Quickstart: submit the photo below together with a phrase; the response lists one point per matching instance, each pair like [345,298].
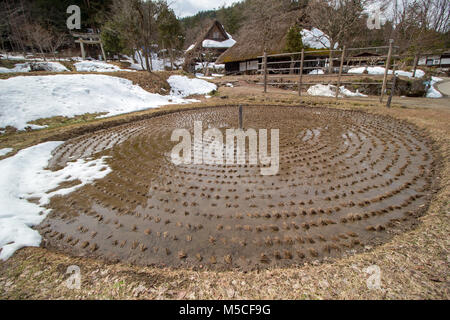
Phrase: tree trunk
[171,59]
[134,56]
[141,59]
[147,61]
[150,67]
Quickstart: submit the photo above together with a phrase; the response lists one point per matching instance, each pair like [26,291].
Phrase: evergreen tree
[111,39]
[171,36]
[294,41]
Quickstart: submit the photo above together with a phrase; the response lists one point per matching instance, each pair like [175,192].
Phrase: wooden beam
[87,41]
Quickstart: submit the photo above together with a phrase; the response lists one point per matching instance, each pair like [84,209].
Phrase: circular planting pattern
[348,180]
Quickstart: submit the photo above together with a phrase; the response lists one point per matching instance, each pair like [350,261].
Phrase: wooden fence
[276,69]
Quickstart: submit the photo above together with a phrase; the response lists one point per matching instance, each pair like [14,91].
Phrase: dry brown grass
[414,265]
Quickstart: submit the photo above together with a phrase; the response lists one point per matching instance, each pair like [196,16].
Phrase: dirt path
[444,86]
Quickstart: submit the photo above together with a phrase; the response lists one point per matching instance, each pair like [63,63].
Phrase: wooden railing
[340,57]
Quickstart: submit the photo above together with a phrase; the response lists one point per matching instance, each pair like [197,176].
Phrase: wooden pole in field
[265,72]
[340,72]
[392,92]
[394,81]
[300,77]
[388,62]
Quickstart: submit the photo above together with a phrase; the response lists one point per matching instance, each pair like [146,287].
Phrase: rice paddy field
[359,186]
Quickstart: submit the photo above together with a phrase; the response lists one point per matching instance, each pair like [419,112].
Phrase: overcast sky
[185,8]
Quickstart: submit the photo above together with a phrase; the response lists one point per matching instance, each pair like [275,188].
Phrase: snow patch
[24,177]
[156,62]
[330,91]
[35,66]
[182,86]
[432,92]
[211,65]
[381,70]
[317,71]
[5,151]
[219,44]
[97,66]
[25,99]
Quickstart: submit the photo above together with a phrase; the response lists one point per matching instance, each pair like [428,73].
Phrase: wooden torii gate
[88,38]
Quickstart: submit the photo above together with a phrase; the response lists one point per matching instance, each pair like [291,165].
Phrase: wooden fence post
[394,81]
[416,61]
[388,62]
[340,72]
[103,51]
[240,117]
[330,62]
[265,72]
[83,53]
[392,91]
[300,78]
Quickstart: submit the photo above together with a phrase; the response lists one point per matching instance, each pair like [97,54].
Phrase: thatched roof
[196,49]
[250,40]
[203,36]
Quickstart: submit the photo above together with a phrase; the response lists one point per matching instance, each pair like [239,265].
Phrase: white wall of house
[433,60]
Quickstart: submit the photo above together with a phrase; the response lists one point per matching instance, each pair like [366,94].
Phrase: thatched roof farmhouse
[209,45]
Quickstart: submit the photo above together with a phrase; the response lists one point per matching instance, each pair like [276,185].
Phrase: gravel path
[444,86]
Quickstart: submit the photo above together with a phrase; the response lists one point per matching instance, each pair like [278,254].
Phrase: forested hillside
[40,25]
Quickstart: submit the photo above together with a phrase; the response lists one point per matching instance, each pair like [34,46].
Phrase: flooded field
[348,180]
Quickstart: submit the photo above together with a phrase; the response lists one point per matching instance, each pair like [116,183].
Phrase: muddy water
[347,180]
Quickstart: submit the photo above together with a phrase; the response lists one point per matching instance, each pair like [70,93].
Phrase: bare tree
[263,16]
[338,19]
[57,40]
[418,24]
[136,22]
[38,37]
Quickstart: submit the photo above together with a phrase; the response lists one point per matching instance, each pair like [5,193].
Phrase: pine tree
[294,41]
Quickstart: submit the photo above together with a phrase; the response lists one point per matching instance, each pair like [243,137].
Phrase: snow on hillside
[97,66]
[12,57]
[183,86]
[157,63]
[19,67]
[5,151]
[24,99]
[330,91]
[23,177]
[36,66]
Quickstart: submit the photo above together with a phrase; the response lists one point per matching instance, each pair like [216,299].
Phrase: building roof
[203,41]
[250,40]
